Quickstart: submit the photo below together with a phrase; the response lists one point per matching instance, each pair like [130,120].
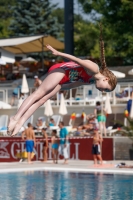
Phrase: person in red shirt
[63,76]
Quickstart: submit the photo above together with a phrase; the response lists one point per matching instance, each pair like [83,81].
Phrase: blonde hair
[104,70]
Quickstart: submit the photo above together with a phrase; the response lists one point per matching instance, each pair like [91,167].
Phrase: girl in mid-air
[63,76]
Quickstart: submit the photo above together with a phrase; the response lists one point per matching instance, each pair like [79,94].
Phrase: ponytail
[102,52]
[103,69]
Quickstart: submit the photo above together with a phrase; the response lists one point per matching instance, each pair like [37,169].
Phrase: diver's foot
[16,129]
[12,124]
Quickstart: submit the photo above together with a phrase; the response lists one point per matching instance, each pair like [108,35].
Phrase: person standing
[129,103]
[37,82]
[64,144]
[96,147]
[45,145]
[30,141]
[55,145]
[100,113]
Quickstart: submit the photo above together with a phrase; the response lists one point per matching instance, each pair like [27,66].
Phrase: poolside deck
[72,166]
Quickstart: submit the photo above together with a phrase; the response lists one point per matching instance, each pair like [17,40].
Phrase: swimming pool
[46,185]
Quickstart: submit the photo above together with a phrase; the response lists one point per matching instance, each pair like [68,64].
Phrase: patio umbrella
[29,59]
[130,72]
[25,88]
[118,74]
[62,108]
[48,108]
[4,105]
[107,104]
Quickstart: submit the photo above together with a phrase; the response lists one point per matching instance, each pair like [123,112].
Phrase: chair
[3,124]
[57,119]
[110,131]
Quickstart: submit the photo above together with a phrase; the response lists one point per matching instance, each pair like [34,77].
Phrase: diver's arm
[84,63]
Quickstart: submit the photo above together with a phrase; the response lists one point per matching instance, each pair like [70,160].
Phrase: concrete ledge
[73,166]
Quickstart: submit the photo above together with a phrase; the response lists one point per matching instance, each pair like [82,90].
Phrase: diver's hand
[54,51]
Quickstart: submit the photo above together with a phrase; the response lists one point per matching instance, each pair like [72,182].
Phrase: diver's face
[103,85]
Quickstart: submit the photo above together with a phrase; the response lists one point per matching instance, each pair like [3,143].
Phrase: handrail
[83,98]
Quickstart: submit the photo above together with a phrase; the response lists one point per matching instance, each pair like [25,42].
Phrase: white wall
[9,57]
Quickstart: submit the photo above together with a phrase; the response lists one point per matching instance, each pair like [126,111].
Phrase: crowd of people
[60,142]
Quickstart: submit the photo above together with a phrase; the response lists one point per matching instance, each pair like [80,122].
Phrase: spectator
[63,148]
[129,103]
[96,150]
[30,141]
[100,113]
[52,122]
[55,145]
[37,82]
[15,94]
[45,144]
[87,129]
[39,124]
[21,99]
[124,93]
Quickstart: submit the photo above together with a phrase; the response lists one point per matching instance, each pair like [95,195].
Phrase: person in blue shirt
[52,122]
[15,94]
[64,144]
[129,103]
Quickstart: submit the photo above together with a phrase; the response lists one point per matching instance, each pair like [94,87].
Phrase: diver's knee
[42,101]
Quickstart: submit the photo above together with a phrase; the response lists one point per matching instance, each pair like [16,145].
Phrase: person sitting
[52,122]
[87,129]
[37,82]
[39,124]
[124,93]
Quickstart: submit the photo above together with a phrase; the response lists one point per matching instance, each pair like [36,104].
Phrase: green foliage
[117,17]
[31,17]
[5,16]
[128,130]
[86,39]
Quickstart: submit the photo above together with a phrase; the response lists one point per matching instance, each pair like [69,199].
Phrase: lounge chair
[3,124]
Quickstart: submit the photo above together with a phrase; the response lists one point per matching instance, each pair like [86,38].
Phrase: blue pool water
[44,185]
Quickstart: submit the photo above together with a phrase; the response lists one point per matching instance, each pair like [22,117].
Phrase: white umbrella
[130,72]
[25,88]
[107,104]
[29,59]
[48,108]
[2,62]
[4,105]
[118,74]
[62,108]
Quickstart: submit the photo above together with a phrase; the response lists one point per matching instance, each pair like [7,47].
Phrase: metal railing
[85,95]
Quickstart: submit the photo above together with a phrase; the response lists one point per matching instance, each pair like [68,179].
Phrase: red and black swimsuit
[73,73]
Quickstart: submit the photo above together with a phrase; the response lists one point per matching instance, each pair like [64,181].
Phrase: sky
[77,8]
